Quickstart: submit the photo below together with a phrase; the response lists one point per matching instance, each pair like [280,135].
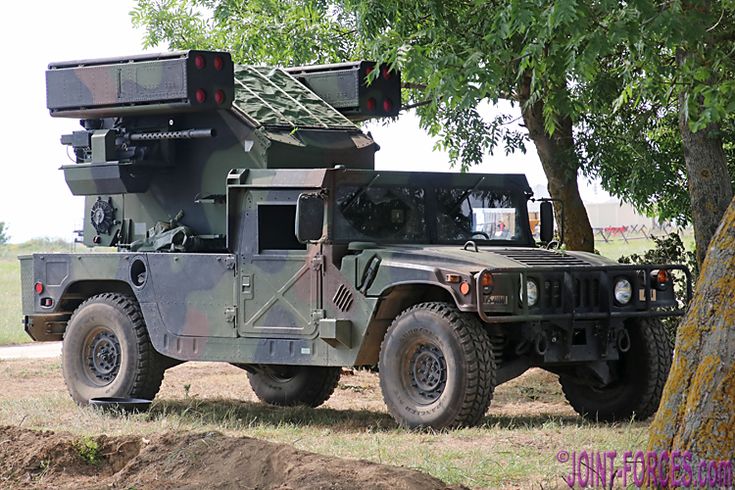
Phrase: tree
[454,56]
[4,237]
[681,56]
[696,412]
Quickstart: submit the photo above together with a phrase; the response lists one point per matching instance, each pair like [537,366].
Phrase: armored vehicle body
[250,227]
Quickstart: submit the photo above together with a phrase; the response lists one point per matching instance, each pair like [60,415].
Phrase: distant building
[614,214]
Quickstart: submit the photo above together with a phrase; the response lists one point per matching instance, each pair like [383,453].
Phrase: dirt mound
[209,460]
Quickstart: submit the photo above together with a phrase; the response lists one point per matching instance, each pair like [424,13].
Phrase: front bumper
[569,308]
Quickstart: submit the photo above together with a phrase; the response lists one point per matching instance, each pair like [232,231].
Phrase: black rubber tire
[140,368]
[643,371]
[460,354]
[289,386]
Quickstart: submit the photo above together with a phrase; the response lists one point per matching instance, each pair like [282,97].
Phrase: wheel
[288,386]
[641,374]
[436,367]
[107,352]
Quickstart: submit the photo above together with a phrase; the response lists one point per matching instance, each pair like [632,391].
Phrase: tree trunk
[710,187]
[696,411]
[560,163]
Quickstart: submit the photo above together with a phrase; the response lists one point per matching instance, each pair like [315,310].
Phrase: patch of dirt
[33,459]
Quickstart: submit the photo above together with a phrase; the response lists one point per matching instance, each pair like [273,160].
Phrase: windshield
[414,214]
[466,214]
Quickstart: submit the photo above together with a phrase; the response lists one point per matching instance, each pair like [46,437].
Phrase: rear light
[385,73]
[369,70]
[371,104]
[200,62]
[200,95]
[218,63]
[38,287]
[387,105]
[219,96]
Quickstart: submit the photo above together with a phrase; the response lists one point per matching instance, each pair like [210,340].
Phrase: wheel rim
[102,356]
[425,373]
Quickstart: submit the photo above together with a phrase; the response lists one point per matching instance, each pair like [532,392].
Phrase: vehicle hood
[454,257]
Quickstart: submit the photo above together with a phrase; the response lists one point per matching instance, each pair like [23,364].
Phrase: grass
[617,248]
[516,445]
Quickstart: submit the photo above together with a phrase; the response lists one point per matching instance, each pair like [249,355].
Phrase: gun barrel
[182,134]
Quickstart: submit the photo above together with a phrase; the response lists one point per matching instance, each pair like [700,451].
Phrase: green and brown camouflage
[199,172]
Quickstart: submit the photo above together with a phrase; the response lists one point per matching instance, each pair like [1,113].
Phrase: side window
[276,224]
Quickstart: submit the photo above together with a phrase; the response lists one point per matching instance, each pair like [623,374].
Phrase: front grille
[586,292]
[540,256]
[551,294]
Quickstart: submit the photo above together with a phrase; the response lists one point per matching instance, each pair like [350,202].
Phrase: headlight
[623,291]
[532,291]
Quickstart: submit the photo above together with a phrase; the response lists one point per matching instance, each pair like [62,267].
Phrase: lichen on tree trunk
[560,163]
[696,412]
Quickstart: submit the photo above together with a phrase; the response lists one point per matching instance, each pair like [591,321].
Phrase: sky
[34,198]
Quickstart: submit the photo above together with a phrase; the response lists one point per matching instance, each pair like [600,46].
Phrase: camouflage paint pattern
[242,289]
[306,304]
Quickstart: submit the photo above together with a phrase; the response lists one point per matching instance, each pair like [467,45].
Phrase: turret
[160,133]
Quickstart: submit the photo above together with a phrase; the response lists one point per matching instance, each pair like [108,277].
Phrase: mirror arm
[561,212]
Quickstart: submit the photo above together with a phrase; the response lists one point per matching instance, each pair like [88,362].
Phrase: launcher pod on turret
[252,228]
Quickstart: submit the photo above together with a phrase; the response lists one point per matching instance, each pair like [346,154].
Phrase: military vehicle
[251,228]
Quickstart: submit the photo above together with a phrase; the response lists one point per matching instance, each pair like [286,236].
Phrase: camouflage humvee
[251,228]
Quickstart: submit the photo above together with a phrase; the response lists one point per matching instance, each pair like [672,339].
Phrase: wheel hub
[103,356]
[428,372]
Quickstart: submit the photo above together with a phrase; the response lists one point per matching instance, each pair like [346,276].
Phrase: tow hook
[623,341]
[540,344]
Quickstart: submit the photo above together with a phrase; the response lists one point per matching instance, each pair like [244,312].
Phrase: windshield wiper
[359,193]
[464,195]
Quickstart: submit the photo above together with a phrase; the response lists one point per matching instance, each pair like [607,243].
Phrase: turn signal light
[486,280]
[663,276]
[464,288]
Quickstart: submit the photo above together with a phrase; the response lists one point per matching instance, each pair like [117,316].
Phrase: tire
[436,368]
[289,386]
[642,374]
[107,352]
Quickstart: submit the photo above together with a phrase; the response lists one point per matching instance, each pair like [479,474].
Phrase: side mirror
[309,217]
[547,222]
